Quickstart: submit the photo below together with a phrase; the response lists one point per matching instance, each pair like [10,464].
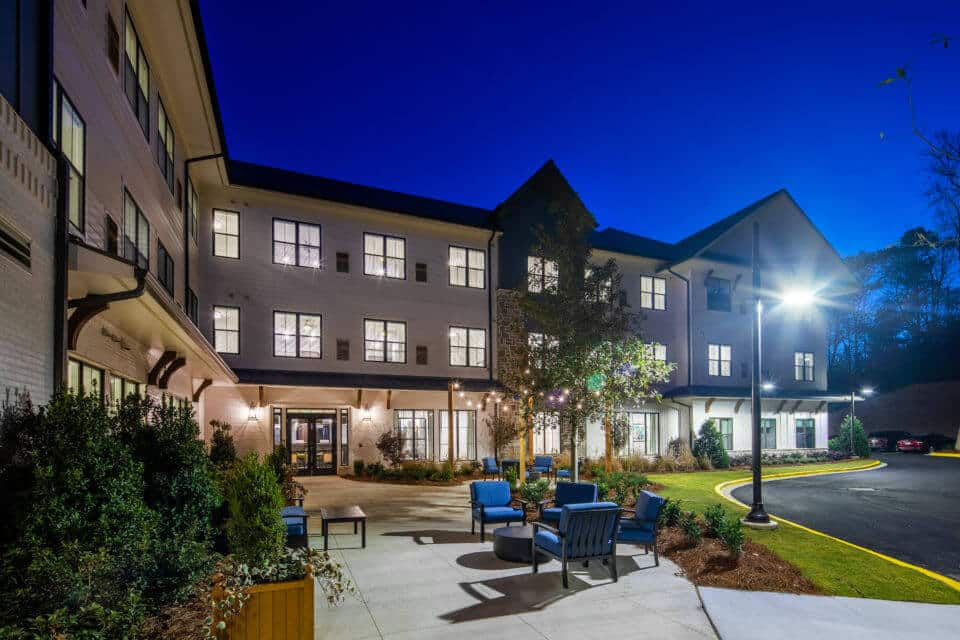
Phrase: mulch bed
[430,483]
[709,564]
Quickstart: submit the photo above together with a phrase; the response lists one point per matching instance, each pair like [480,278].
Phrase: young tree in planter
[390,445]
[503,431]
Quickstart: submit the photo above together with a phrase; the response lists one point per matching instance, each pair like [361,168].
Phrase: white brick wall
[27,202]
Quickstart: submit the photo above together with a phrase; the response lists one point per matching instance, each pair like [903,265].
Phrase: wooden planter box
[276,611]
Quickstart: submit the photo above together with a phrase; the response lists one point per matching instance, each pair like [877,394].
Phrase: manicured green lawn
[836,568]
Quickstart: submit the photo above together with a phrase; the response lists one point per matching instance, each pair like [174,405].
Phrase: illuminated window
[718,360]
[538,344]
[468,347]
[226,329]
[467,267]
[803,366]
[296,243]
[226,233]
[806,433]
[384,256]
[297,335]
[546,433]
[136,233]
[656,352]
[136,77]
[85,379]
[642,435]
[768,433]
[465,435]
[165,146]
[653,293]
[70,136]
[725,427]
[542,275]
[384,341]
[415,427]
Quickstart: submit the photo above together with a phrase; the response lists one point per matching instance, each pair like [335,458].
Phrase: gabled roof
[618,241]
[259,176]
[547,179]
[694,244]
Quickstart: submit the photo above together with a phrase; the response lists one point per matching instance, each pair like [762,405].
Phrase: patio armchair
[490,468]
[295,520]
[566,474]
[586,532]
[491,502]
[566,493]
[641,527]
[543,465]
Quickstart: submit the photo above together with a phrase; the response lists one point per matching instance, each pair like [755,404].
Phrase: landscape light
[768,386]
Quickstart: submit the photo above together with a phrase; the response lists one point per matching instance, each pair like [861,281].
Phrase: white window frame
[656,351]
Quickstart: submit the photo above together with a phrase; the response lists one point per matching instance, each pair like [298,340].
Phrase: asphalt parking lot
[909,510]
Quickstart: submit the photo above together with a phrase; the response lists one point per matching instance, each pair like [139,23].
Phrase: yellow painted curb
[718,489]
[944,454]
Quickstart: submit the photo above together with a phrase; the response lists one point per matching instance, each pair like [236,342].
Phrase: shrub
[375,470]
[670,513]
[679,450]
[510,475]
[704,463]
[535,491]
[255,530]
[390,444]
[467,469]
[78,539]
[637,464]
[731,535]
[710,444]
[418,470]
[358,467]
[841,443]
[223,451]
[446,472]
[714,517]
[291,489]
[178,486]
[666,464]
[691,527]
[603,490]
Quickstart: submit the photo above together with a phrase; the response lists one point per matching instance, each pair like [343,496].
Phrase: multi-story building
[138,256]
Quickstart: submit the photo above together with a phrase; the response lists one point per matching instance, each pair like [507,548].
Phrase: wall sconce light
[365,414]
[254,412]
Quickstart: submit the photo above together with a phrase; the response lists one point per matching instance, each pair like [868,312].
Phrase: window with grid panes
[384,341]
[718,360]
[467,267]
[468,347]
[384,256]
[653,293]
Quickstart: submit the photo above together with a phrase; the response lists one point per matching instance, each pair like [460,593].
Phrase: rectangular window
[546,433]
[136,233]
[542,275]
[226,233]
[344,425]
[120,388]
[718,360]
[343,262]
[164,268]
[468,347]
[296,243]
[136,77]
[113,44]
[193,307]
[464,435]
[85,379]
[601,291]
[415,427]
[421,354]
[656,351]
[725,427]
[806,433]
[112,232]
[384,341]
[193,209]
[538,344]
[467,267]
[165,147]
[420,270]
[768,433]
[642,438]
[343,349]
[803,366]
[226,329]
[297,335]
[384,256]
[70,136]
[277,427]
[653,293]
[719,294]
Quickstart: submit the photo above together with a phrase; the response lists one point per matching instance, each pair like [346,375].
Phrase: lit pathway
[423,576]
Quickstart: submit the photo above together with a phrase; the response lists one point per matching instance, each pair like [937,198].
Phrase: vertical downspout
[493,233]
[689,407]
[187,184]
[60,250]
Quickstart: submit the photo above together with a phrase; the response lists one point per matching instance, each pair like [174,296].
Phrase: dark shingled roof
[618,241]
[259,176]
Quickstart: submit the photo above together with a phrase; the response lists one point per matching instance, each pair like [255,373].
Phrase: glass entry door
[312,436]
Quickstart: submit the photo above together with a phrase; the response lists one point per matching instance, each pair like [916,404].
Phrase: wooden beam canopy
[175,366]
[165,359]
[79,319]
[203,385]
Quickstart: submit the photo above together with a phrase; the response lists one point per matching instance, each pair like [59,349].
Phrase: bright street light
[866,391]
[798,297]
[769,386]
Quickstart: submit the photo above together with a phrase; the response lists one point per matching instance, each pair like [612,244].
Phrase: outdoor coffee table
[352,514]
[513,544]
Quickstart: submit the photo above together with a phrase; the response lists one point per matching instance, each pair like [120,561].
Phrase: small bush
[358,467]
[637,464]
[691,527]
[842,444]
[467,469]
[710,444]
[446,472]
[666,464]
[535,491]
[670,513]
[418,470]
[255,530]
[731,535]
[223,451]
[704,463]
[510,475]
[714,517]
[390,444]
[375,470]
[679,450]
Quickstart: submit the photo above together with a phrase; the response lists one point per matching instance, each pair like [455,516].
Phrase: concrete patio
[423,575]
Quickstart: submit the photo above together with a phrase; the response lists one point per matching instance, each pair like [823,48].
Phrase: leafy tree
[710,444]
[503,431]
[390,445]
[255,530]
[856,445]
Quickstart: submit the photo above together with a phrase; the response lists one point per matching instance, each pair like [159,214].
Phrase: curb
[944,454]
[723,489]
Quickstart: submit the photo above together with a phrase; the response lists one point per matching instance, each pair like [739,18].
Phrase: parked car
[911,444]
[938,442]
[888,438]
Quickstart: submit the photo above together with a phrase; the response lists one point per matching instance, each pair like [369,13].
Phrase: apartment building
[138,257]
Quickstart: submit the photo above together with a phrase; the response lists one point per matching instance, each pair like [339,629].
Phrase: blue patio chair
[566,474]
[586,532]
[491,502]
[295,519]
[543,465]
[490,468]
[642,527]
[566,493]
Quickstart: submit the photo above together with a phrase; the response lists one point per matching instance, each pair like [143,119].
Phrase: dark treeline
[903,326]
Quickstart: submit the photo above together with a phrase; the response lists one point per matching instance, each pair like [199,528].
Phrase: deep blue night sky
[664,116]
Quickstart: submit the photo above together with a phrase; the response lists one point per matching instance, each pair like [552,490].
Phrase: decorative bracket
[203,385]
[165,359]
[79,319]
[175,366]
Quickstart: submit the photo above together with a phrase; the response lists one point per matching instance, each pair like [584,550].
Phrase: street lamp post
[866,391]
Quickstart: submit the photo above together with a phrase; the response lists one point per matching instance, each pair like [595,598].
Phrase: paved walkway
[424,576]
[755,614]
